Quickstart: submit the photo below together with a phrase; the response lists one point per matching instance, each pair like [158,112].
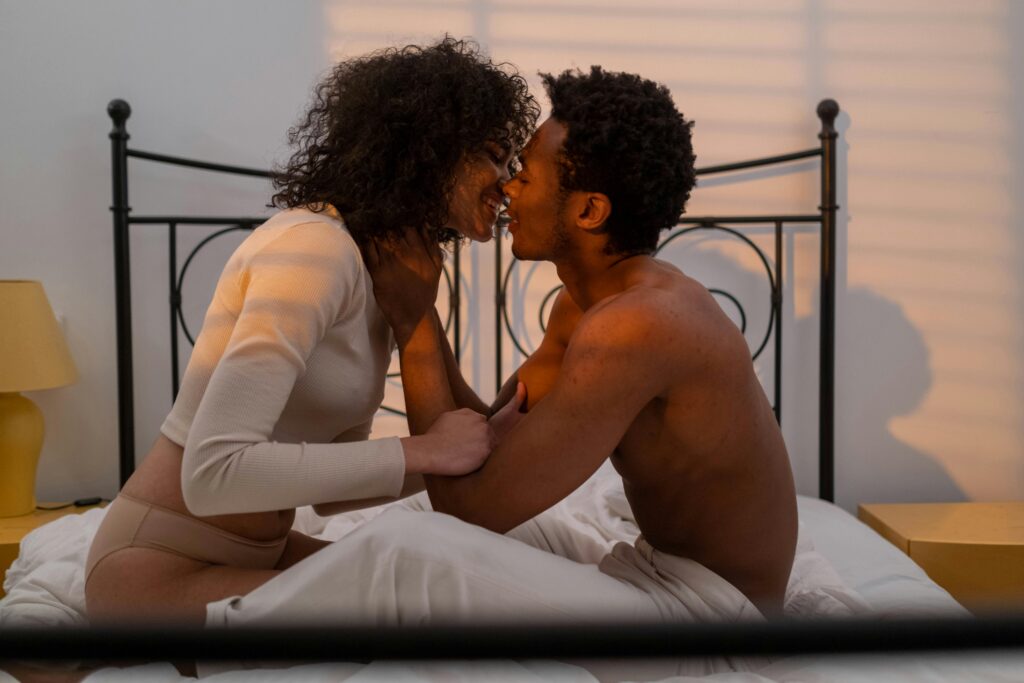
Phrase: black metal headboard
[825,217]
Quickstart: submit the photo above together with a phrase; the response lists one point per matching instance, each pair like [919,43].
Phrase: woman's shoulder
[325,221]
[302,230]
[298,248]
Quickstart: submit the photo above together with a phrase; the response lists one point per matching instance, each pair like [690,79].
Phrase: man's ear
[593,212]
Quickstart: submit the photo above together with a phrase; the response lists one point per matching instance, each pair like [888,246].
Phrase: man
[638,364]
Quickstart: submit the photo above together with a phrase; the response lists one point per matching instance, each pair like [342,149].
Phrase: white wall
[930,379]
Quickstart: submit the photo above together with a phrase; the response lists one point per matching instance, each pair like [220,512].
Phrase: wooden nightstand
[13,529]
[973,550]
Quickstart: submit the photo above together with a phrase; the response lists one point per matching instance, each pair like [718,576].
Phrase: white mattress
[887,579]
[44,588]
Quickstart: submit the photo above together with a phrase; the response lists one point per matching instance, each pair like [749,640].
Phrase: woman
[277,402]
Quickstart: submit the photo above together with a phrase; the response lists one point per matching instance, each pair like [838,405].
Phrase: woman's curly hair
[627,140]
[385,133]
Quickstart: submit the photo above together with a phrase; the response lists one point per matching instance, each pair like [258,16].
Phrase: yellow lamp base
[21,440]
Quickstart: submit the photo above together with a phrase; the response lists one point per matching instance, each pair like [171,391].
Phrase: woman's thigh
[299,547]
[143,584]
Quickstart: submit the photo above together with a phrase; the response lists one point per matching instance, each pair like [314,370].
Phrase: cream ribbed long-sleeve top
[278,399]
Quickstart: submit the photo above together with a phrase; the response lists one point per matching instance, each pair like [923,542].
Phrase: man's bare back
[703,463]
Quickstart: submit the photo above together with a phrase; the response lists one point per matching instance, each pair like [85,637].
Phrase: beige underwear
[134,523]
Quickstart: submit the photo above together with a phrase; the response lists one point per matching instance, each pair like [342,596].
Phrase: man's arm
[611,369]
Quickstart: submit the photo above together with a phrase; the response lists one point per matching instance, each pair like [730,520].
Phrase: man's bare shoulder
[565,314]
[656,294]
[660,315]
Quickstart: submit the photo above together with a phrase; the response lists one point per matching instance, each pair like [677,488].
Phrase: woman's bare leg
[145,585]
[299,547]
[34,673]
[136,585]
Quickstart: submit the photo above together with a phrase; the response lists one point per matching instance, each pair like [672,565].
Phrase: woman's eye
[498,155]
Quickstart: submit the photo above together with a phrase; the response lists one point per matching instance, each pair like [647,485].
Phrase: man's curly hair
[385,132]
[626,140]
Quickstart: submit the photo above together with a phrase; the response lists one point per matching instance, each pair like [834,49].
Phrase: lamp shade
[33,353]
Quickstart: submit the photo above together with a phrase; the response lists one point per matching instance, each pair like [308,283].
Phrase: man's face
[539,226]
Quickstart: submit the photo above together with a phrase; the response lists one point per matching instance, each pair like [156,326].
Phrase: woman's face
[477,197]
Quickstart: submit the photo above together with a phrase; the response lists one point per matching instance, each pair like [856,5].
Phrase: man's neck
[594,277]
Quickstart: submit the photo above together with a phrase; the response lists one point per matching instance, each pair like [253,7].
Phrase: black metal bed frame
[827,110]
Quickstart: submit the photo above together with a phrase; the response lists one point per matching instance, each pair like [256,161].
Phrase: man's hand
[509,415]
[457,443]
[405,273]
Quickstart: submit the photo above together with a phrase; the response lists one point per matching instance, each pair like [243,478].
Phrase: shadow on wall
[883,372]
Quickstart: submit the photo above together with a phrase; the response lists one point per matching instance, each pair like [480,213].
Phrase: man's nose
[509,188]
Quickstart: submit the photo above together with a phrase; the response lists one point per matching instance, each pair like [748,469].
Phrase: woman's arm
[462,394]
[276,301]
[271,313]
[413,484]
[406,274]
[405,279]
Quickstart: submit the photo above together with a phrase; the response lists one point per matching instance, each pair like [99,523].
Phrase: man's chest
[539,374]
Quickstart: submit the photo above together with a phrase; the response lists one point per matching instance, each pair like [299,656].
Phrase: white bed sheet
[44,588]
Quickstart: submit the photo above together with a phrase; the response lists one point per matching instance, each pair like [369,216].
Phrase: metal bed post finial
[119,111]
[827,111]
